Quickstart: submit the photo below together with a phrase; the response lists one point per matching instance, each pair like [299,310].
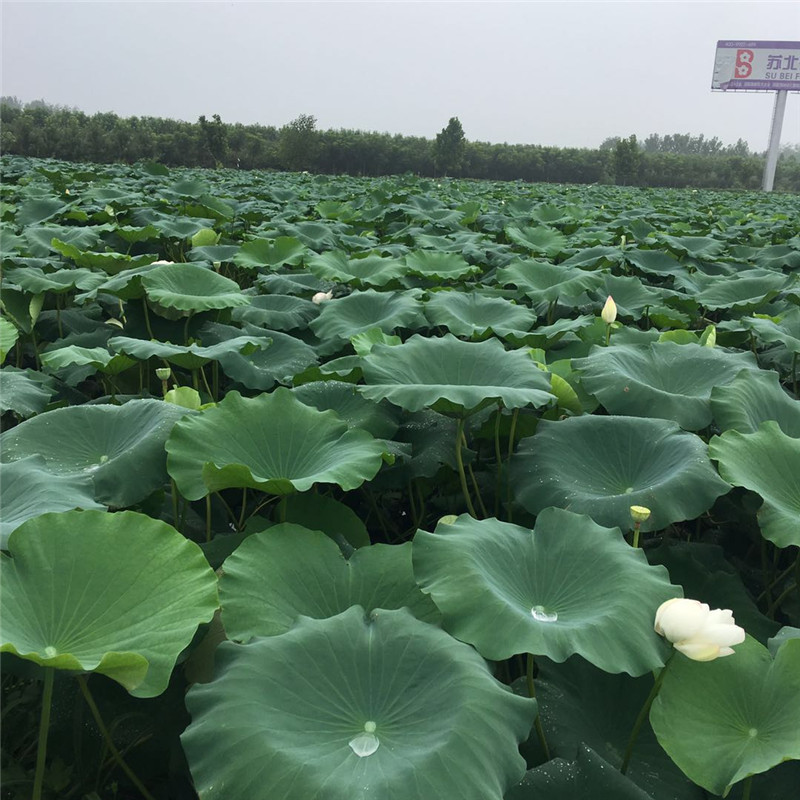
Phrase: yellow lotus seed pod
[640,513]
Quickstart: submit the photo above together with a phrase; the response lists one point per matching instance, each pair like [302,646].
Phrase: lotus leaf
[569,586]
[733,717]
[767,462]
[371,270]
[360,311]
[121,448]
[24,391]
[752,398]
[289,571]
[279,312]
[353,718]
[601,466]
[440,266]
[27,490]
[473,314]
[120,594]
[662,379]
[273,443]
[453,376]
[190,287]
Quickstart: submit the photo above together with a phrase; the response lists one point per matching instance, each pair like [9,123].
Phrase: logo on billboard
[744,63]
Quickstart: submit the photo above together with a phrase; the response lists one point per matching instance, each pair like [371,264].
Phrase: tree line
[675,160]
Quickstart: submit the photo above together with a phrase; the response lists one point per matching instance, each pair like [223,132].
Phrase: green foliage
[450,147]
[299,143]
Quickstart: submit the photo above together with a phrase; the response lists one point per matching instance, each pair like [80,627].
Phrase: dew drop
[541,614]
[365,744]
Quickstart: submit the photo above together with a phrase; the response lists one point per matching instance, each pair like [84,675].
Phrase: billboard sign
[757,66]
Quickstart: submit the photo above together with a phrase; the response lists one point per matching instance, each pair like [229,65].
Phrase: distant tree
[610,143]
[627,160]
[449,147]
[299,143]
[215,135]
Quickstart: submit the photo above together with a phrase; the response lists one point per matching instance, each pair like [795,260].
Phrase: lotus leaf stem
[538,722]
[498,461]
[44,729]
[228,509]
[240,523]
[87,695]
[147,319]
[794,374]
[775,605]
[208,517]
[511,434]
[174,493]
[746,787]
[205,383]
[475,486]
[785,574]
[460,464]
[643,712]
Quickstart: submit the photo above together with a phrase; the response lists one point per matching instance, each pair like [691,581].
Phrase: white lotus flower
[609,312]
[321,297]
[697,631]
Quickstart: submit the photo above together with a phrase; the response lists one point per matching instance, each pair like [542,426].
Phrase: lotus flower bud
[698,632]
[609,312]
[162,373]
[640,514]
[321,297]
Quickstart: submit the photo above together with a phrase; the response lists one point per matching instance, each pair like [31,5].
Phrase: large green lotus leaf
[280,312]
[580,704]
[544,282]
[767,462]
[654,262]
[601,466]
[110,263]
[24,391]
[358,312]
[695,246]
[726,719]
[38,210]
[569,586]
[40,237]
[378,707]
[662,379]
[379,419]
[589,776]
[120,447]
[371,270]
[288,571]
[27,490]
[749,290]
[470,313]
[544,240]
[120,594]
[752,398]
[442,266]
[453,376]
[191,356]
[273,443]
[631,296]
[786,331]
[280,358]
[594,257]
[189,287]
[31,279]
[96,357]
[8,337]
[318,512]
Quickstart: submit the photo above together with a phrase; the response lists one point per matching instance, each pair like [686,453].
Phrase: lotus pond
[322,487]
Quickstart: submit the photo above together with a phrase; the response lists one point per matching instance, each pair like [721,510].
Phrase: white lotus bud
[609,312]
[698,632]
[321,297]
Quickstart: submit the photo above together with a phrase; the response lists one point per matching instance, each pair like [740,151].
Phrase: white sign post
[749,66]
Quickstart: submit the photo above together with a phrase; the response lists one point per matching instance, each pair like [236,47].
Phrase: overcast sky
[562,73]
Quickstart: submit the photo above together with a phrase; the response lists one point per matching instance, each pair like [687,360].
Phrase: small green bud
[163,373]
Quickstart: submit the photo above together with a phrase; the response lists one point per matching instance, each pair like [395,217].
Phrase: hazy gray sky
[559,73]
